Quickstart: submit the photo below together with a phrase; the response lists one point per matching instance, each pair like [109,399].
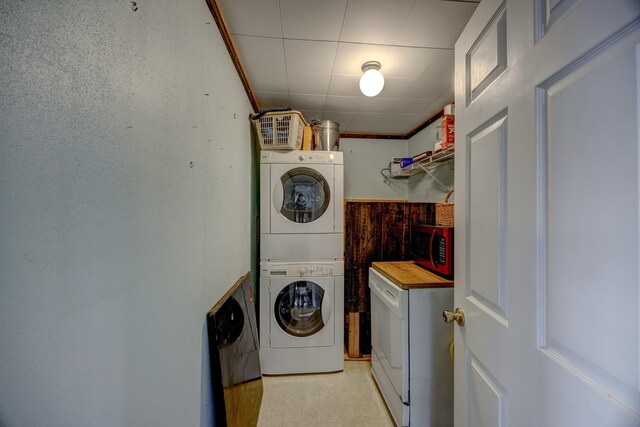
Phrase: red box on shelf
[448,131]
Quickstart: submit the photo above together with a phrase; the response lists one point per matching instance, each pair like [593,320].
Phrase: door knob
[457,315]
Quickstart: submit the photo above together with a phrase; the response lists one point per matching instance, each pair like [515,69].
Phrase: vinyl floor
[349,398]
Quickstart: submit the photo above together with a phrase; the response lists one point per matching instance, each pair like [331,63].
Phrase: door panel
[486,151]
[488,408]
[600,192]
[549,12]
[487,58]
[547,216]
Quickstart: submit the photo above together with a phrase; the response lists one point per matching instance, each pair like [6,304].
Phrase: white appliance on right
[410,355]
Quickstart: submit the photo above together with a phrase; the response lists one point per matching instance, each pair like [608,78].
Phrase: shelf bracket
[428,172]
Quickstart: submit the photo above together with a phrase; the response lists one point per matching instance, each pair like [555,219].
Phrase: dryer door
[302,199]
[302,312]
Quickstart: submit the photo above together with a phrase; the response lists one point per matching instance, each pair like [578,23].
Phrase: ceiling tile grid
[308,83]
[375,21]
[315,20]
[435,23]
[252,17]
[308,55]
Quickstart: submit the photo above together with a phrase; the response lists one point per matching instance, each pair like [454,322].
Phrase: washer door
[302,313]
[302,199]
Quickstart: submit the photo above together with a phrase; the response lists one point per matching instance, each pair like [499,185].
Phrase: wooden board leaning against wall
[375,230]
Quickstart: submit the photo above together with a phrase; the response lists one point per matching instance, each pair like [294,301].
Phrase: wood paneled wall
[374,231]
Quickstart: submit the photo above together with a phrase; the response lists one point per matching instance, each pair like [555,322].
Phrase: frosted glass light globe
[371,82]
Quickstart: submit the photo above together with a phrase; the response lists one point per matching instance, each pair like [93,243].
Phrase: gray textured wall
[363,159]
[422,187]
[125,199]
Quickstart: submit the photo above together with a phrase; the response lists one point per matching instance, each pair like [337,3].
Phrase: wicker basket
[444,212]
[280,131]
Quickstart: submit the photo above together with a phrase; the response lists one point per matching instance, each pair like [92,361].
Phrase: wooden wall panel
[362,246]
[395,231]
[422,213]
[375,231]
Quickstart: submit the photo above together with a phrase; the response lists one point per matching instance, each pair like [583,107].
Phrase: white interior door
[547,216]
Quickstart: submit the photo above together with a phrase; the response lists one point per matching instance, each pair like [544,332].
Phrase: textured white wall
[363,159]
[423,188]
[125,199]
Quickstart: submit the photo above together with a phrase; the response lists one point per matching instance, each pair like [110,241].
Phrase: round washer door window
[298,309]
[306,195]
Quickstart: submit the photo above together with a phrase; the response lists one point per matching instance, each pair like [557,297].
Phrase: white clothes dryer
[301,317]
[301,205]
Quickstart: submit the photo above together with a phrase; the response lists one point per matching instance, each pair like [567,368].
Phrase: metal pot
[326,135]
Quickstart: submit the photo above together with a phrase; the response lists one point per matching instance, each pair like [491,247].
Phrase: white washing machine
[301,205]
[301,317]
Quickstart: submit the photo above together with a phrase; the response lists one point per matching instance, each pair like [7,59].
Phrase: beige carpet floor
[349,398]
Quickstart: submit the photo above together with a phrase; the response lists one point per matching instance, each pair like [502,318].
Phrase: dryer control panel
[302,156]
[301,269]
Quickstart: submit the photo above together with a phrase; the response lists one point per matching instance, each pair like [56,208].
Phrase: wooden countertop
[408,275]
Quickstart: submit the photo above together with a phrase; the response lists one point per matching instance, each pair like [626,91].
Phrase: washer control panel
[315,270]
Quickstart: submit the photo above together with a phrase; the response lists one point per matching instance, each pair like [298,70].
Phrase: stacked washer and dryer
[301,262]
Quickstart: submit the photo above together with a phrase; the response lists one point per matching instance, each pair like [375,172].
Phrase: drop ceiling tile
[434,23]
[341,117]
[351,56]
[389,129]
[447,97]
[378,105]
[442,68]
[425,88]
[397,119]
[345,85]
[312,19]
[260,53]
[307,102]
[272,100]
[393,123]
[267,80]
[435,107]
[310,56]
[407,61]
[375,21]
[364,122]
[309,83]
[412,106]
[416,121]
[452,44]
[252,17]
[395,87]
[311,115]
[343,103]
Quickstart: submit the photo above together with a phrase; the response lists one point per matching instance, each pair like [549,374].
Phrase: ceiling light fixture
[372,81]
